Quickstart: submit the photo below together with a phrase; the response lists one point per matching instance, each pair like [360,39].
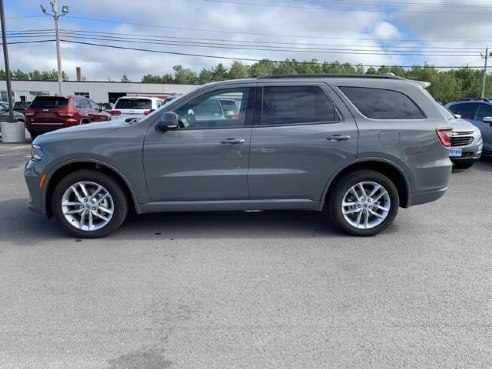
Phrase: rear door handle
[335,138]
[232,141]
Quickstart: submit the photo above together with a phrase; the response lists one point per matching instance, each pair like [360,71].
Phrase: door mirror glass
[168,121]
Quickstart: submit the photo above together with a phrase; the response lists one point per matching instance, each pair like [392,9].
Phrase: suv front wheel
[89,204]
[364,203]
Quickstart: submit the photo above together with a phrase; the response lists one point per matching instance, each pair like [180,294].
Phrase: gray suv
[356,147]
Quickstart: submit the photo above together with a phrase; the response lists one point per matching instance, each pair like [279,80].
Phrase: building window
[85,94]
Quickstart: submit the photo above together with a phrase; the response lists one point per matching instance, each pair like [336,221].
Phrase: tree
[262,68]
[205,76]
[184,76]
[124,78]
[238,70]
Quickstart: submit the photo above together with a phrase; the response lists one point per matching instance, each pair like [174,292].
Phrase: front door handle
[232,141]
[335,138]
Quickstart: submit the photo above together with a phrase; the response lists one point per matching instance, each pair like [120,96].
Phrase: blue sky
[193,32]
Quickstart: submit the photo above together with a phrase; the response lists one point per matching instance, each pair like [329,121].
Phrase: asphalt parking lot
[248,290]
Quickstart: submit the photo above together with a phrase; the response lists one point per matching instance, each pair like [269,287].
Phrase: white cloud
[386,31]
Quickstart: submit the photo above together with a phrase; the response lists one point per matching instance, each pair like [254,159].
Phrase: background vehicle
[48,113]
[4,114]
[466,141]
[479,113]
[21,106]
[107,107]
[134,107]
[356,147]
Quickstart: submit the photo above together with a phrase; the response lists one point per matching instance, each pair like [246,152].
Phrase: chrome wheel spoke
[100,216]
[351,211]
[77,194]
[74,211]
[366,219]
[376,189]
[359,218]
[84,190]
[376,214]
[382,208]
[107,211]
[380,195]
[96,192]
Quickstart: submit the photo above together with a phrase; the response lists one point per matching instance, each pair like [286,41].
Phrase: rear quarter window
[378,103]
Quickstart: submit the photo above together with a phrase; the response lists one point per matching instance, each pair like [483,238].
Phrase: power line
[228,58]
[250,45]
[146,37]
[148,25]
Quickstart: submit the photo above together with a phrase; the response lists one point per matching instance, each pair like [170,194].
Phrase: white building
[97,91]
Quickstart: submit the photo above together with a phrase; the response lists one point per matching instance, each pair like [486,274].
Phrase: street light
[56,16]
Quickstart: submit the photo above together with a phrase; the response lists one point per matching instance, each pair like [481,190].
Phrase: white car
[134,107]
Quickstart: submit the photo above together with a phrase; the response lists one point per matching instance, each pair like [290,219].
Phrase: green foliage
[124,78]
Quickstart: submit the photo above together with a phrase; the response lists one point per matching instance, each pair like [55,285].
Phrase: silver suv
[356,147]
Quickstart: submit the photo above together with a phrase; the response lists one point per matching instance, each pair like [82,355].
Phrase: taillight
[29,112]
[65,113]
[115,112]
[146,112]
[444,135]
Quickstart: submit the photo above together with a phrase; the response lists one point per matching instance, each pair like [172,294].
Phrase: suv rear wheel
[89,204]
[364,203]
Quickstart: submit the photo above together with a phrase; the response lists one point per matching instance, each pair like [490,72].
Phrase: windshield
[49,102]
[133,104]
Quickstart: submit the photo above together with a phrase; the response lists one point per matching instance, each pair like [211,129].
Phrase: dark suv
[357,147]
[479,113]
[48,113]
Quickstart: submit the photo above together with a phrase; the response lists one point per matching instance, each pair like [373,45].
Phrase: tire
[83,216]
[359,218]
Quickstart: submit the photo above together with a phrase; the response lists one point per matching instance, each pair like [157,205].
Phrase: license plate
[455,152]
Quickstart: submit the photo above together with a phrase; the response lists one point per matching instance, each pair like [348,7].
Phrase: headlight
[476,133]
[36,153]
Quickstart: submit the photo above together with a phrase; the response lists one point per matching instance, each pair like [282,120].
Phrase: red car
[48,113]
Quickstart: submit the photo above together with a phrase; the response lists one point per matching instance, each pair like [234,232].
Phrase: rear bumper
[425,197]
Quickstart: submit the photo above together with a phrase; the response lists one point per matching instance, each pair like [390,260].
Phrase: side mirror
[487,120]
[168,121]
[457,116]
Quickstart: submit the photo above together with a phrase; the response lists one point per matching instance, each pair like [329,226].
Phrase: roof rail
[333,75]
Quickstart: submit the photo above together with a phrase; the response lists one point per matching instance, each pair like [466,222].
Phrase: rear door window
[46,102]
[376,103]
[296,105]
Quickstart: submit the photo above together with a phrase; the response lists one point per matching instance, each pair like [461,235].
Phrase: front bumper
[32,178]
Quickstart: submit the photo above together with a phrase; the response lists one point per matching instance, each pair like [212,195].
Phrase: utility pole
[56,16]
[484,77]
[7,67]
